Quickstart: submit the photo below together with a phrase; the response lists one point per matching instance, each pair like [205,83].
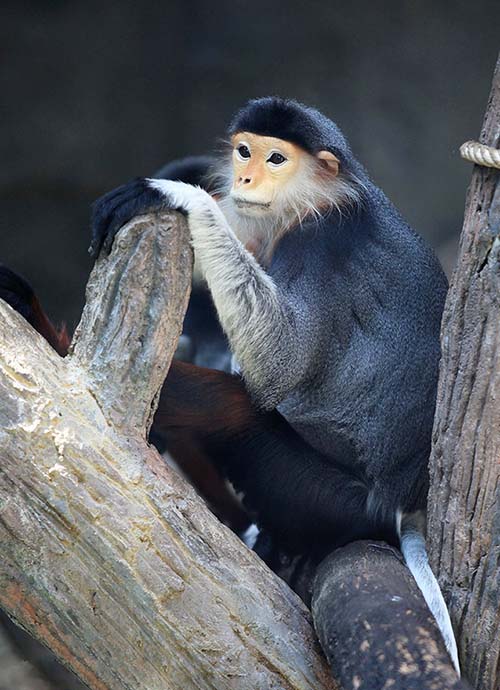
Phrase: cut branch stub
[136,300]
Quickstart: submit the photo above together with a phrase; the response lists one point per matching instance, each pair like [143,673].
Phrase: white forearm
[244,295]
[260,328]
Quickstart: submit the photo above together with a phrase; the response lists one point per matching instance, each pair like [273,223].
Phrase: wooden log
[108,557]
[464,500]
[374,625]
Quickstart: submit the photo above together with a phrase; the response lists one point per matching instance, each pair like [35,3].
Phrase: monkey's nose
[244,180]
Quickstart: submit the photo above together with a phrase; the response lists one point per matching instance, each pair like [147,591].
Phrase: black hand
[111,211]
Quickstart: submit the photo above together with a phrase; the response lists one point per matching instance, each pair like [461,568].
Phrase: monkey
[194,170]
[333,325]
[17,292]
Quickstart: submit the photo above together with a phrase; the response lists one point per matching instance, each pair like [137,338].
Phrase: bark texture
[464,501]
[108,557]
[374,624]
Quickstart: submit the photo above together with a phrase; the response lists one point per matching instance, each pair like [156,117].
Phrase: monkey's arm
[19,294]
[267,328]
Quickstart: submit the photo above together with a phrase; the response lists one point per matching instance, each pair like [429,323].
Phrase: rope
[480,154]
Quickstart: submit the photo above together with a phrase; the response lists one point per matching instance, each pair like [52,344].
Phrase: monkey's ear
[330,161]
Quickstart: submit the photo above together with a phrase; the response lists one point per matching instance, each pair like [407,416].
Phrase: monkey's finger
[145,202]
[102,212]
[105,207]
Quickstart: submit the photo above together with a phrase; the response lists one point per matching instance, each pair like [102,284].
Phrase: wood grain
[108,557]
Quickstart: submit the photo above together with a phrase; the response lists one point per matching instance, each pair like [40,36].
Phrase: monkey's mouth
[246,203]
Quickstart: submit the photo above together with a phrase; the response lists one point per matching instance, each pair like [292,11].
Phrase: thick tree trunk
[464,501]
[107,556]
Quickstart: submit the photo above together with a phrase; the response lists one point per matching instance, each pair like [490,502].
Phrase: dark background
[94,93]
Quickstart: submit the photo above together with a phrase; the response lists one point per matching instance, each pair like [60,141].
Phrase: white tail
[415,555]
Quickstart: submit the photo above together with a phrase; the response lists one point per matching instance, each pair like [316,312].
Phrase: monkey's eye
[243,151]
[276,159]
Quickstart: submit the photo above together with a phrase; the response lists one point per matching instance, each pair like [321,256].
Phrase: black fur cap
[287,119]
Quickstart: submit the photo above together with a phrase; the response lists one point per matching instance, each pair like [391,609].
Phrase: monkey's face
[271,176]
[262,168]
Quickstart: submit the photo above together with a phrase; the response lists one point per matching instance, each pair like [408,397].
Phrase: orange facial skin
[264,166]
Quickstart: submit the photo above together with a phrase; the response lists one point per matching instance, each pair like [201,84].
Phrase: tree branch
[108,557]
[374,624]
[132,320]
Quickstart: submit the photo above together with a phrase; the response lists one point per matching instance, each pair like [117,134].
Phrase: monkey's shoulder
[375,243]
[369,275]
